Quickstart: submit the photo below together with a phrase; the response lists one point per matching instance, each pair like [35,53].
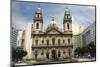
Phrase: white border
[5,33]
[89,2]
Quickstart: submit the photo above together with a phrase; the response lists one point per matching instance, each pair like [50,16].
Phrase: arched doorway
[59,53]
[47,55]
[53,41]
[54,54]
[36,54]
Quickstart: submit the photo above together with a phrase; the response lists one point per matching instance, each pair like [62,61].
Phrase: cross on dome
[67,10]
[52,21]
[38,9]
[52,18]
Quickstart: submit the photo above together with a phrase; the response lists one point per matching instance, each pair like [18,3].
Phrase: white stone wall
[66,28]
[50,40]
[28,41]
[19,37]
[40,26]
[50,44]
[49,50]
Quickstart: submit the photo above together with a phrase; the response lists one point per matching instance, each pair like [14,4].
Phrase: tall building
[88,35]
[27,41]
[52,43]
[76,41]
[13,41]
[19,37]
[85,37]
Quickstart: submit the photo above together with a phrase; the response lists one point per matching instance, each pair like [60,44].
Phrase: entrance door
[47,55]
[59,54]
[53,54]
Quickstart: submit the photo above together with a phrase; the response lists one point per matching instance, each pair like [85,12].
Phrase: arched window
[54,54]
[36,54]
[47,42]
[68,41]
[42,41]
[66,17]
[59,53]
[64,52]
[37,26]
[53,41]
[68,25]
[59,42]
[47,55]
[63,41]
[39,16]
[36,42]
[42,53]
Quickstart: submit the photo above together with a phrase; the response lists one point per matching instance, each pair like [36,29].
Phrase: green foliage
[92,49]
[89,49]
[77,51]
[18,53]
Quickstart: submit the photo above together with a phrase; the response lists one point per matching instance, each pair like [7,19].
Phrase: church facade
[52,43]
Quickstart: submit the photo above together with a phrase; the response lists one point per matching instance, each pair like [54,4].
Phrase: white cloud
[91,7]
[18,20]
[76,27]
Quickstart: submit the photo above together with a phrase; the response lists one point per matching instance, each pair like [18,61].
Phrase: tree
[86,50]
[81,51]
[18,53]
[77,51]
[92,49]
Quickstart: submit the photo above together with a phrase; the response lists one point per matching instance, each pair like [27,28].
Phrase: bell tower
[38,21]
[67,21]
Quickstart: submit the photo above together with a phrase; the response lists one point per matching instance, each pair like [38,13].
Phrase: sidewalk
[49,62]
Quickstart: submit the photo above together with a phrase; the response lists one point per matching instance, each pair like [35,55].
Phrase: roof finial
[38,7]
[52,18]
[67,10]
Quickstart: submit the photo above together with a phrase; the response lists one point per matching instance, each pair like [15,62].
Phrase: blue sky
[23,12]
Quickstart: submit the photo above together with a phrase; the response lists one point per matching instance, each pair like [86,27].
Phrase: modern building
[51,43]
[19,37]
[88,35]
[13,40]
[27,41]
[76,41]
[85,37]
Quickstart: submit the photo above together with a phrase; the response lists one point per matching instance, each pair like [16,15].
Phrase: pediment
[53,31]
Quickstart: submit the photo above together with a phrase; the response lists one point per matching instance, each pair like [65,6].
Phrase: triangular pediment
[53,31]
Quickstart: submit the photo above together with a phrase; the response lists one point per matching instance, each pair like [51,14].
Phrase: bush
[88,49]
[18,53]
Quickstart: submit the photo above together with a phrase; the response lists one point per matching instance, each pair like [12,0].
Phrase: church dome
[52,24]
